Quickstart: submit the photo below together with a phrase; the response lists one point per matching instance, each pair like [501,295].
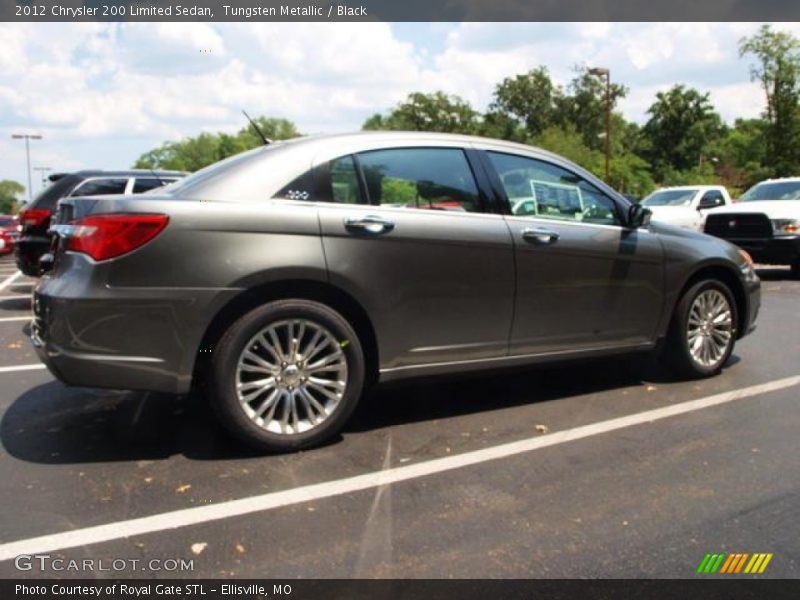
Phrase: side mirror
[706,204]
[638,216]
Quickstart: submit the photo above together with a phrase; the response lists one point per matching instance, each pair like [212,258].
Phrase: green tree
[682,125]
[777,68]
[530,99]
[584,106]
[742,154]
[567,142]
[191,154]
[428,112]
[9,194]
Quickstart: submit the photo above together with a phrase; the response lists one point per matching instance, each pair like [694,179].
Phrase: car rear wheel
[287,375]
[703,329]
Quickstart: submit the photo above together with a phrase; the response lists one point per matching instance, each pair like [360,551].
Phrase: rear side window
[333,181]
[426,178]
[145,184]
[97,187]
[541,189]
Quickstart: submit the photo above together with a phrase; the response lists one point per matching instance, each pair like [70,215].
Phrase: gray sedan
[290,278]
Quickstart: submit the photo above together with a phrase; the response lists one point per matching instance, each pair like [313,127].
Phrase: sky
[102,94]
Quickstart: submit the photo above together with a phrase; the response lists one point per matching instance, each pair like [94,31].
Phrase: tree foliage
[777,68]
[682,125]
[10,191]
[428,112]
[197,152]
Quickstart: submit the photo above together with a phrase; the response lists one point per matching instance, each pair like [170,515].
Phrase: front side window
[98,187]
[541,189]
[712,198]
[424,178]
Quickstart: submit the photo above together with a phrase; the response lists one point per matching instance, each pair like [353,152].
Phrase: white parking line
[9,319]
[15,297]
[22,368]
[7,282]
[245,506]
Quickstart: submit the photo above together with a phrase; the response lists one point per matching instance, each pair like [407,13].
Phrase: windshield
[670,198]
[777,190]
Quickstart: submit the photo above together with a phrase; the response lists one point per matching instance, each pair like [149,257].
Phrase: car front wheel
[703,329]
[287,375]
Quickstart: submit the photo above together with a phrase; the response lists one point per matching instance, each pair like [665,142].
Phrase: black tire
[225,359]
[676,348]
[796,268]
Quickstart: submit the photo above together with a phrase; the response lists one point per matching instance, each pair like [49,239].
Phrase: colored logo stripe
[735,562]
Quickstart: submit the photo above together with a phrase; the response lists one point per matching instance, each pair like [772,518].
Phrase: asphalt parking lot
[608,469]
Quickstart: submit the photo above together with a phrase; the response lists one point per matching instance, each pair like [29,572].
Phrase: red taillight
[35,217]
[108,236]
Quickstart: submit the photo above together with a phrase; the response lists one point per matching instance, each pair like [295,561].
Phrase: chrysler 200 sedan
[289,278]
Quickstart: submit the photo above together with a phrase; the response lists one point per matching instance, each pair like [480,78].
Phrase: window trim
[505,201]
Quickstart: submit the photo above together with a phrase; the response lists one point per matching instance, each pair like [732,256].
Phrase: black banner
[398,10]
[415,589]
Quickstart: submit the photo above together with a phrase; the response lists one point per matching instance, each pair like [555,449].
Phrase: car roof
[421,136]
[780,179]
[85,173]
[690,187]
[245,172]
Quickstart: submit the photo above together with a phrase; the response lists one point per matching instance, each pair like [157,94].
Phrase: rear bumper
[123,338]
[28,250]
[777,251]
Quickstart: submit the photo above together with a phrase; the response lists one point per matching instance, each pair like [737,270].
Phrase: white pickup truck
[766,223]
[686,206]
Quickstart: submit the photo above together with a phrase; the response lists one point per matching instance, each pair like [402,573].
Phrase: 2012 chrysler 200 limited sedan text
[291,277]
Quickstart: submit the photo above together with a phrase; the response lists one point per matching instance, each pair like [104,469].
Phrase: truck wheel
[703,330]
[287,375]
[796,268]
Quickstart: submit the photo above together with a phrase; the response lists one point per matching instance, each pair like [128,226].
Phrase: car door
[584,281]
[409,234]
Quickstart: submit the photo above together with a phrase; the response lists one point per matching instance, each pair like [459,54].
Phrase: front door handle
[539,235]
[370,224]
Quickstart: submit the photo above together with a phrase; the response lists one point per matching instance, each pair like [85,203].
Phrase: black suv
[34,220]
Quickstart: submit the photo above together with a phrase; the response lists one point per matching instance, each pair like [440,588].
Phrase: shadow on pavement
[56,424]
[775,273]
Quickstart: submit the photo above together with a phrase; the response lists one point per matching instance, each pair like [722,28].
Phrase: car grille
[739,226]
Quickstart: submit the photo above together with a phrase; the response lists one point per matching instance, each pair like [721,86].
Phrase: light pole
[600,72]
[43,171]
[27,137]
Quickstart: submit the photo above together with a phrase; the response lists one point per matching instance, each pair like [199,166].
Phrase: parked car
[766,222]
[686,206]
[9,233]
[35,240]
[286,279]
[6,242]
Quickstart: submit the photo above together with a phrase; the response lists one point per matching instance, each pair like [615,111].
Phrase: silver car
[291,277]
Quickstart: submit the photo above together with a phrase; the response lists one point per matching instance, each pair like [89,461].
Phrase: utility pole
[27,137]
[602,71]
[43,171]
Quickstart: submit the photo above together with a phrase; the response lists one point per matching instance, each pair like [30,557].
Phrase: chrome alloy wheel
[291,376]
[709,331]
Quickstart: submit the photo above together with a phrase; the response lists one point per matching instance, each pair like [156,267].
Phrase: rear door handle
[369,224]
[539,235]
